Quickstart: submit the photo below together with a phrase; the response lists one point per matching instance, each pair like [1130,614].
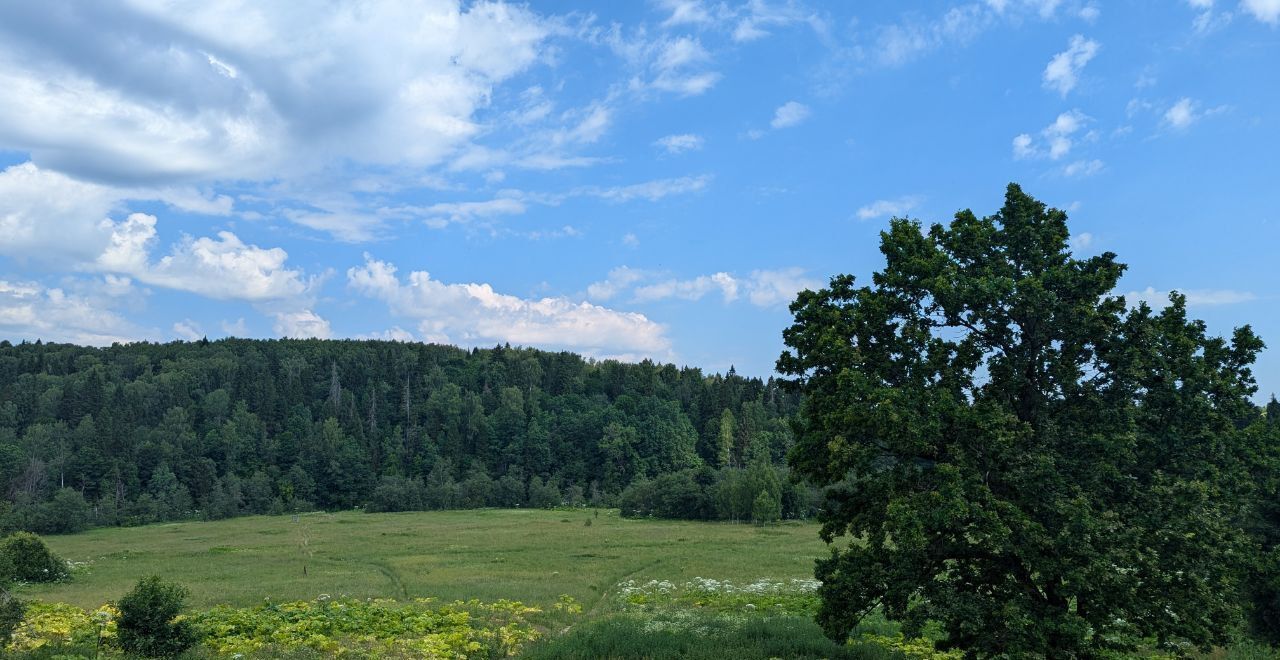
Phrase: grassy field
[528,555]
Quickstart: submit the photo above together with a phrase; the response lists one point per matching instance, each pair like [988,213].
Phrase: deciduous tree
[1016,452]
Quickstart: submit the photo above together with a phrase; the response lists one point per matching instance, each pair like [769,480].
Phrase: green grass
[528,555]
[690,634]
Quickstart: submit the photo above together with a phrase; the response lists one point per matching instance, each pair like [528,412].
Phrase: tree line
[144,432]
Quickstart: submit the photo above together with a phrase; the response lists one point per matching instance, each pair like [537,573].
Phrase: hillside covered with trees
[138,433]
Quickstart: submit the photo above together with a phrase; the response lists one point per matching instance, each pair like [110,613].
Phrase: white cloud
[220,91]
[1083,168]
[1022,146]
[475,314]
[764,288]
[301,324]
[235,329]
[188,330]
[618,280]
[685,12]
[680,143]
[650,190]
[29,310]
[900,43]
[769,288]
[1182,114]
[679,65]
[758,17]
[1059,137]
[1063,71]
[224,268]
[888,207]
[395,333]
[51,217]
[694,289]
[1082,240]
[789,114]
[630,240]
[1267,11]
[1195,297]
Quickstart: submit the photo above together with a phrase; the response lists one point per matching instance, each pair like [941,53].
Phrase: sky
[623,180]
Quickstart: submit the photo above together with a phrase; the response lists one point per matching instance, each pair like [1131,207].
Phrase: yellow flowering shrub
[377,628]
[59,624]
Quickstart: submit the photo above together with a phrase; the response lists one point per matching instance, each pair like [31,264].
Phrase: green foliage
[1019,454]
[766,508]
[142,433]
[378,628]
[26,558]
[726,494]
[11,614]
[149,624]
[705,635]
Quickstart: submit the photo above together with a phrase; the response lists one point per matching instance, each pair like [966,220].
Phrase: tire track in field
[393,575]
[604,594]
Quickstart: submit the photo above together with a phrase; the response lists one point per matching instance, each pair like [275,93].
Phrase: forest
[139,433]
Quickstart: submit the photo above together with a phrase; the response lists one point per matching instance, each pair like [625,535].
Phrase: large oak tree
[1016,452]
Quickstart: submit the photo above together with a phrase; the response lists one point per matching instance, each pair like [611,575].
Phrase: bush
[28,559]
[11,611]
[147,625]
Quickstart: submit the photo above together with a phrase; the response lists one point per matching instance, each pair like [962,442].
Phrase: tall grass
[705,635]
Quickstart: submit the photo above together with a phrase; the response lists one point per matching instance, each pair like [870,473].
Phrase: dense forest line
[137,433]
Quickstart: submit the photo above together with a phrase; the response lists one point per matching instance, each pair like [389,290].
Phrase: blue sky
[618,179]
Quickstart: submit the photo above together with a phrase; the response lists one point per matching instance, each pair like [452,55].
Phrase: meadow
[533,556]
[619,587]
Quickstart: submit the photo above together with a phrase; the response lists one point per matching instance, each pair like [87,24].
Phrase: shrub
[148,624]
[28,559]
[11,611]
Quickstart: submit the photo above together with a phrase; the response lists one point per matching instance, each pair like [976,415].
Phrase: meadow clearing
[533,556]
[621,587]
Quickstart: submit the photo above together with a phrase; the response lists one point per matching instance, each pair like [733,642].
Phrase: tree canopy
[136,433]
[1015,451]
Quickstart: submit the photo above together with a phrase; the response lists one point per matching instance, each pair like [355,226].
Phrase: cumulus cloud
[1181,114]
[1063,71]
[223,268]
[29,310]
[888,207]
[475,314]
[301,324]
[769,288]
[1267,11]
[1057,138]
[789,114]
[49,216]
[166,92]
[675,144]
